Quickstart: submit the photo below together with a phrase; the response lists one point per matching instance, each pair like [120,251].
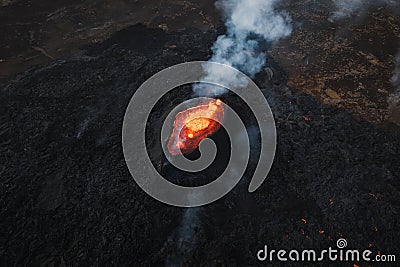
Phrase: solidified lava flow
[194,124]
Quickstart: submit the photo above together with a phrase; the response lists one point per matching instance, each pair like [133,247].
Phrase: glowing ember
[192,125]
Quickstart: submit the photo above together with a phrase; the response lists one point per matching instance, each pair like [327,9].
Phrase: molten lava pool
[194,124]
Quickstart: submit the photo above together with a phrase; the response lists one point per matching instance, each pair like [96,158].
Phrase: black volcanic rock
[67,197]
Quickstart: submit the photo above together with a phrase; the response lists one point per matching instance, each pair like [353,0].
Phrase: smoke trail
[184,239]
[396,71]
[248,23]
[394,98]
[346,8]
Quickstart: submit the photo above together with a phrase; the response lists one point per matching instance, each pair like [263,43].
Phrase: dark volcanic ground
[67,197]
[34,32]
[346,63]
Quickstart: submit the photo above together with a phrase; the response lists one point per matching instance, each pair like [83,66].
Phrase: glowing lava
[192,125]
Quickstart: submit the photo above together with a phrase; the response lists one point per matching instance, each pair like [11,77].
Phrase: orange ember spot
[370,245]
[375,229]
[197,124]
[304,221]
[355,265]
[302,231]
[321,232]
[331,202]
[194,124]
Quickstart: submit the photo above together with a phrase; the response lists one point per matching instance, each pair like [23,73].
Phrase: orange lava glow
[194,124]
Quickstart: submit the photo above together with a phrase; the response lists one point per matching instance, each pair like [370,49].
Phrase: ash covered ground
[67,197]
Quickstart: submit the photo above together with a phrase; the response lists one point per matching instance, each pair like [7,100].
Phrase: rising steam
[396,71]
[346,8]
[394,98]
[248,23]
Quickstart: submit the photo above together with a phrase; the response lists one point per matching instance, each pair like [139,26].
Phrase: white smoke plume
[248,22]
